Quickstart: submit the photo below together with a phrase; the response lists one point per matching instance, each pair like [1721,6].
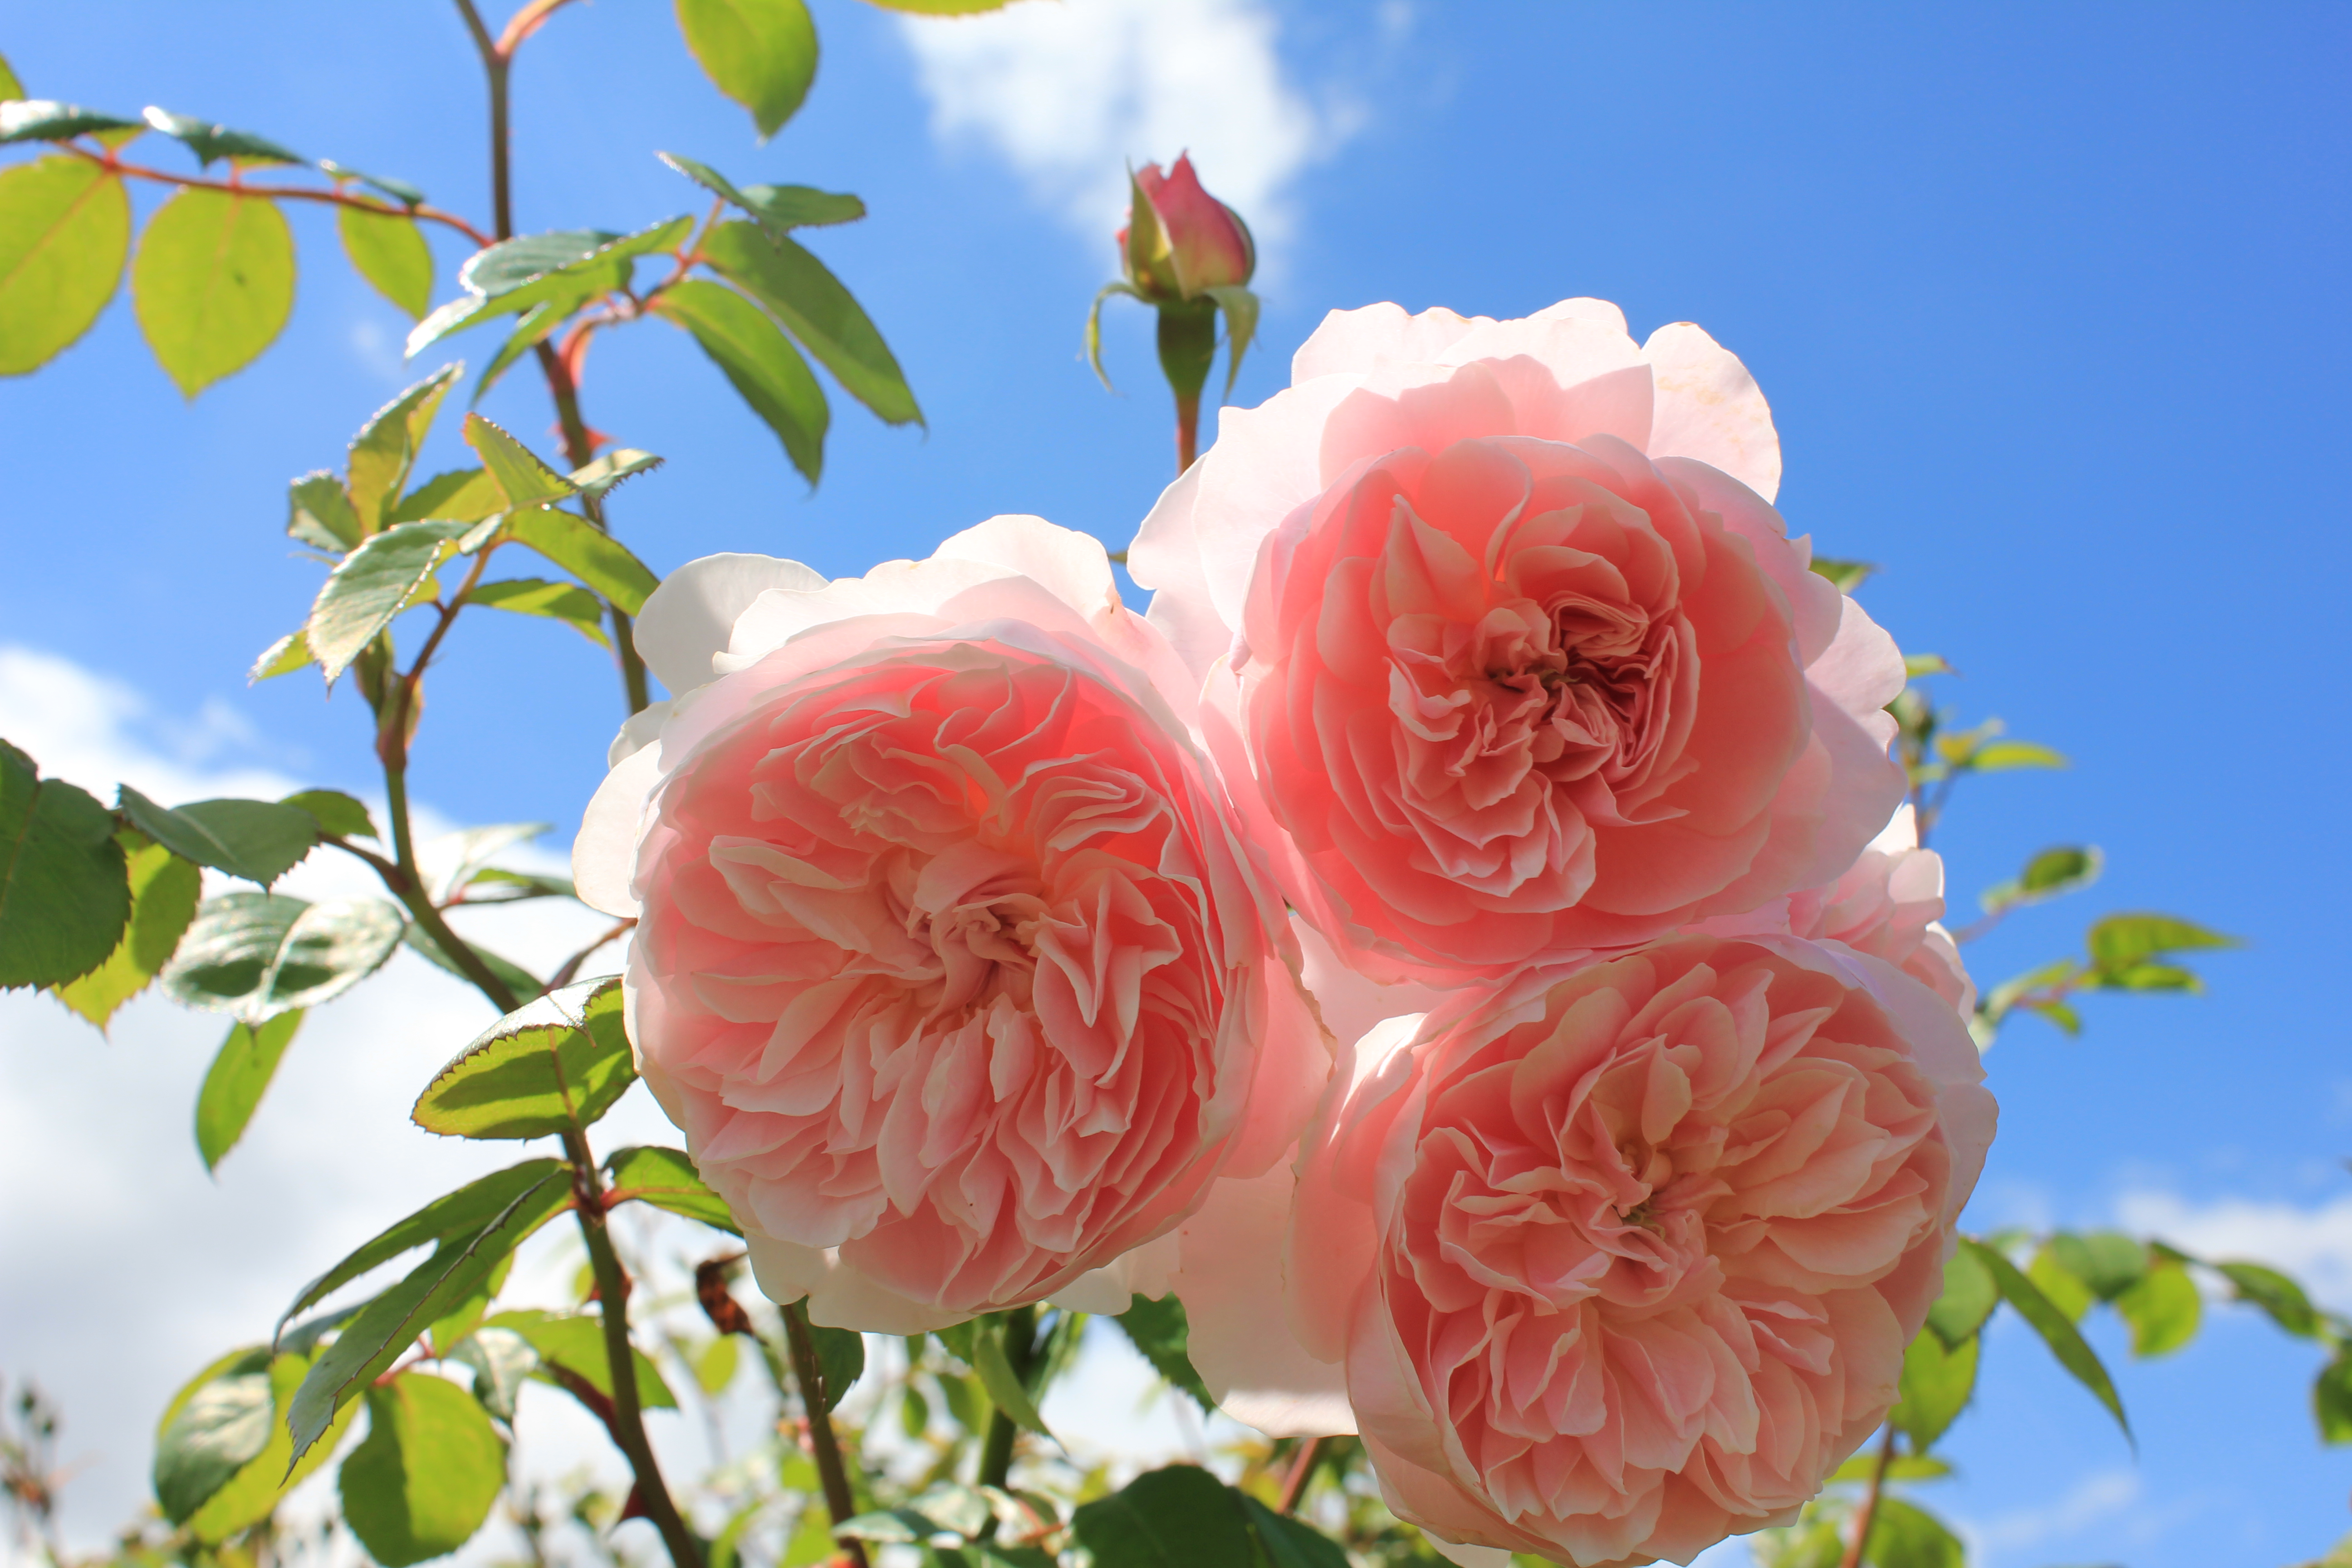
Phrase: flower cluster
[1463,940]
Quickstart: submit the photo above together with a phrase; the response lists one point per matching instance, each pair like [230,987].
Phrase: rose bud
[1180,241]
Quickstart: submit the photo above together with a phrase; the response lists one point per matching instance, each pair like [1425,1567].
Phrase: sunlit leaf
[554,1064]
[46,119]
[2057,1330]
[1936,1385]
[779,209]
[385,449]
[575,1343]
[1970,1296]
[334,811]
[257,955]
[588,553]
[761,53]
[391,253]
[759,362]
[460,1213]
[390,571]
[258,840]
[163,894]
[572,604]
[2275,1294]
[239,1075]
[212,142]
[423,1481]
[666,1179]
[996,1375]
[2119,941]
[2163,1309]
[798,290]
[520,476]
[65,229]
[1160,1329]
[214,283]
[65,891]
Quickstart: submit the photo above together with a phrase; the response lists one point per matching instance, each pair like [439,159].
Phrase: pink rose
[1888,904]
[1615,1264]
[950,963]
[1499,616]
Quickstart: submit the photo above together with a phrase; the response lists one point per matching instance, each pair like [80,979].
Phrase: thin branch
[494,67]
[1302,1471]
[1867,1515]
[571,969]
[340,198]
[832,1473]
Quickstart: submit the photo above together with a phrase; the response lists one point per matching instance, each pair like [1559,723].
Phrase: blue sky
[2048,301]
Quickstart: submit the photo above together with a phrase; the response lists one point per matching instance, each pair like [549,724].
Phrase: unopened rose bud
[1188,256]
[1180,241]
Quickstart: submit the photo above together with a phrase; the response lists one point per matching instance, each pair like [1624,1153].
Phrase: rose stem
[809,1373]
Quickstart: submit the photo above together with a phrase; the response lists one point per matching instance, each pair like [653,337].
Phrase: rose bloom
[1611,1265]
[949,962]
[1888,904]
[1501,619]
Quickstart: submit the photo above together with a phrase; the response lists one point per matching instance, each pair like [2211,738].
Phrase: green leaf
[385,449]
[1915,665]
[390,252]
[520,476]
[461,495]
[424,1481]
[163,894]
[1178,1516]
[240,1075]
[1161,1330]
[382,1330]
[2068,1293]
[211,142]
[1970,1296]
[460,1213]
[284,656]
[796,288]
[1998,756]
[1240,322]
[997,1376]
[1846,576]
[319,513]
[589,554]
[2052,873]
[334,811]
[401,191]
[1901,1467]
[257,955]
[779,209]
[495,885]
[616,467]
[65,888]
[65,228]
[2164,1308]
[386,575]
[2107,1261]
[2121,941]
[258,840]
[10,88]
[1287,1542]
[575,1343]
[574,606]
[533,330]
[553,1066]
[502,1361]
[2331,1398]
[2057,1330]
[715,1368]
[571,266]
[451,861]
[218,1428]
[841,1361]
[761,53]
[666,1179]
[1936,1385]
[46,119]
[254,1491]
[2275,1294]
[462,1318]
[1907,1536]
[759,362]
[212,282]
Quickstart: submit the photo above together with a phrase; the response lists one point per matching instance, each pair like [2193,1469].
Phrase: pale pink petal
[1709,408]
[1352,342]
[687,621]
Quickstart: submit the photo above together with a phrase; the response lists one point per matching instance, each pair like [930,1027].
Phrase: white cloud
[1069,92]
[2314,1245]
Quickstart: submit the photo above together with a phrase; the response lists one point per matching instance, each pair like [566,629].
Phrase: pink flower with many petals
[1615,1264]
[1888,904]
[1499,616]
[949,962]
